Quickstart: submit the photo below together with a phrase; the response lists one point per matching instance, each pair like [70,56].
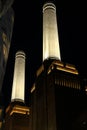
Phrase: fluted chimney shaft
[18,87]
[51,47]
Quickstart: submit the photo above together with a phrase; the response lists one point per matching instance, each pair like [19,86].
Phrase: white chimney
[18,88]
[51,47]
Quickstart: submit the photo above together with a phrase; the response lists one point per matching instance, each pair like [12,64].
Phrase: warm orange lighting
[39,71]
[67,70]
[8,108]
[57,62]
[20,109]
[33,88]
[63,67]
[49,71]
[0,125]
[0,112]
[70,66]
[15,111]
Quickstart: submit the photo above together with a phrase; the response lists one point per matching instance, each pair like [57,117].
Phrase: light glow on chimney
[51,47]
[18,88]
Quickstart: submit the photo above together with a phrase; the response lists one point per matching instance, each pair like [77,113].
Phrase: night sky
[27,36]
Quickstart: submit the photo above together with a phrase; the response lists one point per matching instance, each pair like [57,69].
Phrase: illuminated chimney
[18,87]
[51,47]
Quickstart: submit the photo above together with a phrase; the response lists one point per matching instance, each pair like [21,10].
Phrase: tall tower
[57,98]
[51,47]
[18,88]
[17,113]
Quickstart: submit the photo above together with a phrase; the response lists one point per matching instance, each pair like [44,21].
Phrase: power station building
[17,114]
[58,96]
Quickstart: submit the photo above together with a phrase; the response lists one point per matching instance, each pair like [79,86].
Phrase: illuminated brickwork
[58,100]
[17,117]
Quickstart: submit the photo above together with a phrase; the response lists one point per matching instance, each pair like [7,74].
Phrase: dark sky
[27,35]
